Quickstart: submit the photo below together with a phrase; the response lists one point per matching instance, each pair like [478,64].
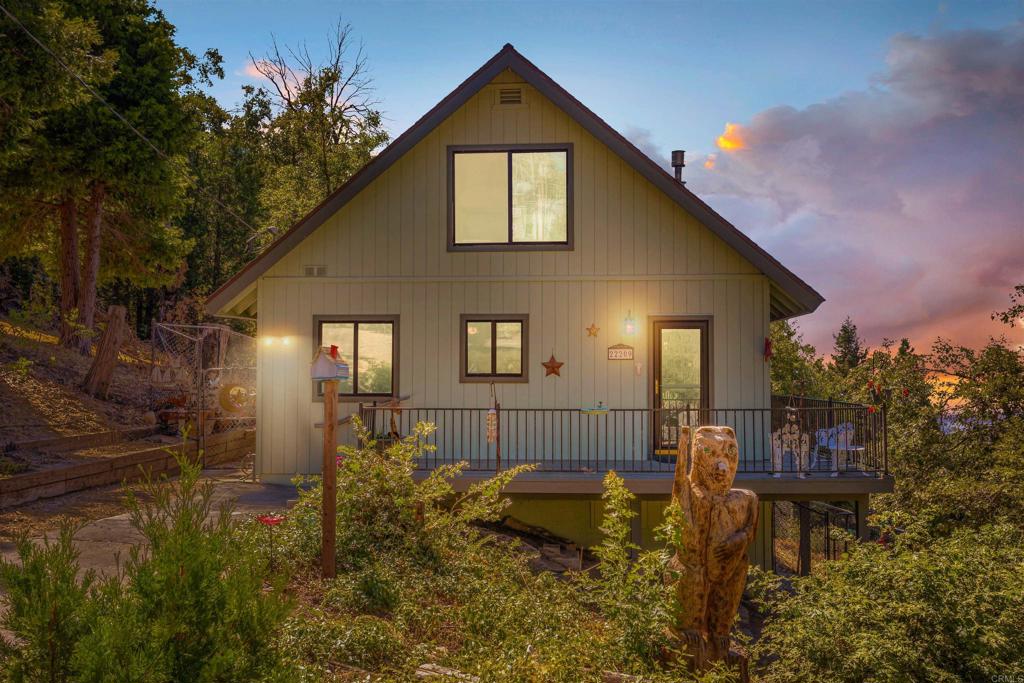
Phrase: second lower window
[493,348]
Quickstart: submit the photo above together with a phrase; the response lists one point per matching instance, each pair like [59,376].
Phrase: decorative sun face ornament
[552,367]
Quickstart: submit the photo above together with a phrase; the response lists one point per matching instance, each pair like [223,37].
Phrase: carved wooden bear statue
[712,560]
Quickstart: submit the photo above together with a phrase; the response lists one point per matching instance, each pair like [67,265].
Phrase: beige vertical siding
[386,253]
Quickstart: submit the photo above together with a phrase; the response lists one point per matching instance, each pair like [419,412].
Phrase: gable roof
[790,296]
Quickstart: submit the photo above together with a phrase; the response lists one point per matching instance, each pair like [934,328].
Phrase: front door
[681,373]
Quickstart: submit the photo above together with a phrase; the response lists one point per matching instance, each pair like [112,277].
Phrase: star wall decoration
[552,367]
[592,330]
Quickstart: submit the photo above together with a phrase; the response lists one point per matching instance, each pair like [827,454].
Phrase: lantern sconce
[629,325]
[273,341]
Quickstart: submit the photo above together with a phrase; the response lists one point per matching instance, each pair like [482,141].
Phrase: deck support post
[860,507]
[330,480]
[804,550]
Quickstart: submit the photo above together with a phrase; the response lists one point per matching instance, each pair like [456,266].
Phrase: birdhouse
[324,365]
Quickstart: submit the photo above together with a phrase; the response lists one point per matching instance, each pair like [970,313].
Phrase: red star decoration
[552,367]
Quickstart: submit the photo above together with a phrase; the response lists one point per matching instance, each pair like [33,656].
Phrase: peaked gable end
[789,295]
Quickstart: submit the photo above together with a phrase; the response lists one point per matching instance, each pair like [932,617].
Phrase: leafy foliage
[420,581]
[190,604]
[943,610]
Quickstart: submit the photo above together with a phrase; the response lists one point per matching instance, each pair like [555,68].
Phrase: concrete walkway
[102,542]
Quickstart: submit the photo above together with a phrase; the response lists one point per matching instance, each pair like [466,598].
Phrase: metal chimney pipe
[678,162]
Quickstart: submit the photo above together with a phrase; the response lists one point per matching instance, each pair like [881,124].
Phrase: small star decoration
[552,367]
[592,330]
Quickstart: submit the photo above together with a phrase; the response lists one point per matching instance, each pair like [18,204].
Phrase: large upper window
[518,197]
[494,348]
[370,347]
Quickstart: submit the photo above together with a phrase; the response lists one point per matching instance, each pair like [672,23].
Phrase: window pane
[680,368]
[341,335]
[376,346]
[509,353]
[481,197]
[478,348]
[539,200]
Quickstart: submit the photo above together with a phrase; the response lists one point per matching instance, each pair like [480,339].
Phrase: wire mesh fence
[202,378]
[826,535]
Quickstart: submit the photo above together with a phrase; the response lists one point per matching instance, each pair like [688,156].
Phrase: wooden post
[330,481]
[804,549]
[97,380]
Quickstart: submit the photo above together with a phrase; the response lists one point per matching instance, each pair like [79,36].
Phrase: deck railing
[834,439]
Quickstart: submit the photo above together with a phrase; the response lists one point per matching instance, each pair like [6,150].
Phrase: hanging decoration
[492,426]
[552,367]
[592,330]
[492,418]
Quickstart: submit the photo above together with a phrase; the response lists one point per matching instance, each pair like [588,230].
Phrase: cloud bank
[903,203]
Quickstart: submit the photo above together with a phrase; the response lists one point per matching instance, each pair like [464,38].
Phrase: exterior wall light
[629,325]
[268,341]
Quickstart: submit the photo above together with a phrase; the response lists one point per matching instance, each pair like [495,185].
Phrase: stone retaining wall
[24,488]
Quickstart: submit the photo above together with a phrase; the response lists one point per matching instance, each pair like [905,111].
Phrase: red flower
[906,392]
[270,520]
[338,459]
[871,409]
[871,383]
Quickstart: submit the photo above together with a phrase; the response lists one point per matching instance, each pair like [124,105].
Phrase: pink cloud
[903,204]
[251,70]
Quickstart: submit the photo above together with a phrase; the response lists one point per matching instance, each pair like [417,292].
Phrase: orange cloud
[709,162]
[732,139]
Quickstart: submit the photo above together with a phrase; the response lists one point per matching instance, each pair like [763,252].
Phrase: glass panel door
[680,379]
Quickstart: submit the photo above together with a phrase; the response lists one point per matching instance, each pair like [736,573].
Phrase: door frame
[702,322]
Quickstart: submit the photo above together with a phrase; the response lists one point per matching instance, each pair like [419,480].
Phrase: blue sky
[677,69]
[878,147]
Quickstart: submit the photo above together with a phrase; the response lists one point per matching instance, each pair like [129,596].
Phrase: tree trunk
[91,266]
[70,283]
[97,380]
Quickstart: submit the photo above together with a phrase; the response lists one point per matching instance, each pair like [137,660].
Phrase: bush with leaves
[926,609]
[421,581]
[189,604]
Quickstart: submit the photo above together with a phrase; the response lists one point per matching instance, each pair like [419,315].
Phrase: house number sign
[620,352]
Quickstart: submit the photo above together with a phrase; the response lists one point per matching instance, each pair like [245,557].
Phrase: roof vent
[678,163]
[314,271]
[510,96]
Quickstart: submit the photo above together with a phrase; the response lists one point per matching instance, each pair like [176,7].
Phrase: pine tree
[849,349]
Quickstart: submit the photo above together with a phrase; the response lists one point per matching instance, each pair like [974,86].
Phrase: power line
[116,113]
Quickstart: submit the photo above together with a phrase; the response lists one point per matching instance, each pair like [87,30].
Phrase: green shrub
[49,610]
[949,609]
[190,605]
[383,511]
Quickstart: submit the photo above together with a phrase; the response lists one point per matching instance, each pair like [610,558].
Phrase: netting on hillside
[203,378]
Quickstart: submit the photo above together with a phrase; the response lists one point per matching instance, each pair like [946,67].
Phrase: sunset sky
[875,148]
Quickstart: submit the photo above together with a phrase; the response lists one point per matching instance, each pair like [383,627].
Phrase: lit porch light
[629,325]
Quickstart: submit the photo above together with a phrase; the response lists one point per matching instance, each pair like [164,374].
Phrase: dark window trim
[704,322]
[318,322]
[567,245]
[467,318]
